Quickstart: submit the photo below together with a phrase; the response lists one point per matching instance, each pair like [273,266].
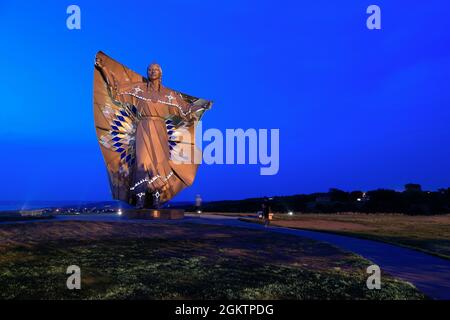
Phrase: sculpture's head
[154,72]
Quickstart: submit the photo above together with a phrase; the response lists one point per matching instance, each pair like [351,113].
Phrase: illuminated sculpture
[146,133]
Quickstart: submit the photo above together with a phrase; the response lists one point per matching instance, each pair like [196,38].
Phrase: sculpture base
[164,214]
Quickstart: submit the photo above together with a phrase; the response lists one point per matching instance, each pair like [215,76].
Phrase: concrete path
[428,273]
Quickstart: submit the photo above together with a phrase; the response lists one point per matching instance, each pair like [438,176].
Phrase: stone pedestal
[164,214]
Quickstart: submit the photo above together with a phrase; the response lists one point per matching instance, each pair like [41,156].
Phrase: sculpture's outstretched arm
[200,107]
[196,110]
[108,76]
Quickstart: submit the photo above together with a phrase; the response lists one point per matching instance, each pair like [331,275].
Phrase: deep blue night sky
[356,109]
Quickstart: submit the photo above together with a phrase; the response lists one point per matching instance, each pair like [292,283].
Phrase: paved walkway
[428,273]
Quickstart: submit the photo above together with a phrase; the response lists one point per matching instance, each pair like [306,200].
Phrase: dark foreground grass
[181,262]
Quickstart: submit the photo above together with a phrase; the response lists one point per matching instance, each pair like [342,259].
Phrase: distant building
[32,213]
[413,187]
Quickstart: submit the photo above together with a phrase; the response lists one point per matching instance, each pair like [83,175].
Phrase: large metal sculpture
[146,133]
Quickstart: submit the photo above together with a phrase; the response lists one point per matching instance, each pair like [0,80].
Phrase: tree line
[412,200]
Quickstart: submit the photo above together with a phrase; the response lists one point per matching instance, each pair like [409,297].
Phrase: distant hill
[410,201]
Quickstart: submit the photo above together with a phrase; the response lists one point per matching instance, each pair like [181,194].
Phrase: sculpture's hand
[109,76]
[99,62]
[208,105]
[194,108]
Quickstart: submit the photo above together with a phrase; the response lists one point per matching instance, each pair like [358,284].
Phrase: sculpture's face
[154,72]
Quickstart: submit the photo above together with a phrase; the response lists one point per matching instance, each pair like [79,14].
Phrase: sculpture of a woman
[146,133]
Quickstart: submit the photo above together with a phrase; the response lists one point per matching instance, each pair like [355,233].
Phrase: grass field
[167,261]
[429,234]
